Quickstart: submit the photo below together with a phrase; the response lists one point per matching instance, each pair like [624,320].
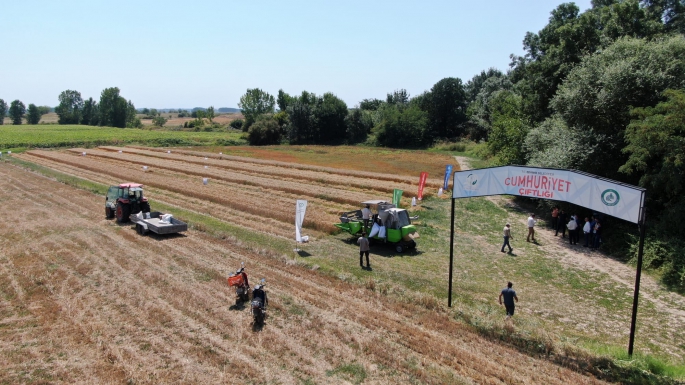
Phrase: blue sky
[169,54]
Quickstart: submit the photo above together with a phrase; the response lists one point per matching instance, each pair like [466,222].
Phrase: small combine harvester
[127,203]
[399,232]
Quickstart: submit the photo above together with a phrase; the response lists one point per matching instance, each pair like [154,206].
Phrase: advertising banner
[396,195]
[422,184]
[602,195]
[300,210]
[448,172]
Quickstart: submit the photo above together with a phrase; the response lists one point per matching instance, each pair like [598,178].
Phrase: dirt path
[85,300]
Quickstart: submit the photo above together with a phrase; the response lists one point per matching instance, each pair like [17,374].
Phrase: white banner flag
[300,210]
[603,195]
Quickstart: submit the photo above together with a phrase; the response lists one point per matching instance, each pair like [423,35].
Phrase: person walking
[555,217]
[587,231]
[531,227]
[364,248]
[562,224]
[579,226]
[507,236]
[509,296]
[593,222]
[572,229]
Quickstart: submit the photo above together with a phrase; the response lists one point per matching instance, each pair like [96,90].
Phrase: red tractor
[124,199]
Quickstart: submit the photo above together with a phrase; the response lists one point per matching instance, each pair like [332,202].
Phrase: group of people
[591,227]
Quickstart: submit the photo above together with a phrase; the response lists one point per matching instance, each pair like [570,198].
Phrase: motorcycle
[259,302]
[241,284]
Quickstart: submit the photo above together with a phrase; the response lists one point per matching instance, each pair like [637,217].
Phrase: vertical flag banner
[422,184]
[396,195]
[448,173]
[300,210]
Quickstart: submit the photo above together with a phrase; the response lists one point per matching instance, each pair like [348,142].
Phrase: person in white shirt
[531,225]
[587,229]
[366,216]
[572,229]
[507,236]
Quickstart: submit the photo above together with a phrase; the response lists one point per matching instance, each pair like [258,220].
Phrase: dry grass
[88,301]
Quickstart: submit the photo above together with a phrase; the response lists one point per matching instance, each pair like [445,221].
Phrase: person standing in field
[366,216]
[531,227]
[555,218]
[562,224]
[587,231]
[572,230]
[507,236]
[364,248]
[509,296]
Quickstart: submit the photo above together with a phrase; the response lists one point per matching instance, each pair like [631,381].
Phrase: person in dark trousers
[364,248]
[587,231]
[555,218]
[507,236]
[579,224]
[531,227]
[572,230]
[563,220]
[593,222]
[509,296]
[598,234]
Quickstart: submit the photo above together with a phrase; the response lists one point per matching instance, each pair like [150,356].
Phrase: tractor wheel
[109,213]
[145,207]
[123,212]
[399,248]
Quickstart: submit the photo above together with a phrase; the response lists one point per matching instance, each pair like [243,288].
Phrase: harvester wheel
[123,212]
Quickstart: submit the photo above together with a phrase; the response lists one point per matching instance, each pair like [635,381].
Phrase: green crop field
[17,138]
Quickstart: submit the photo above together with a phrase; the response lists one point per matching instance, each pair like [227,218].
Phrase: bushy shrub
[237,124]
[264,132]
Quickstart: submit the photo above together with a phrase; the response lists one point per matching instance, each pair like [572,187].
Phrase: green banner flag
[396,195]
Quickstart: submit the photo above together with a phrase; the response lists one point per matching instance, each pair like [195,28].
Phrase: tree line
[17,110]
[112,110]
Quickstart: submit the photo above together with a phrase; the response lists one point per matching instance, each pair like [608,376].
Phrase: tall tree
[302,127]
[17,111]
[70,107]
[398,97]
[255,102]
[113,108]
[330,114]
[90,115]
[3,111]
[370,104]
[284,100]
[447,108]
[210,113]
[32,114]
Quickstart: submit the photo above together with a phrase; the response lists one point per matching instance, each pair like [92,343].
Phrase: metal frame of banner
[641,226]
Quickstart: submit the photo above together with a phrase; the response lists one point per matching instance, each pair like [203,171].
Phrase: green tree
[44,110]
[152,112]
[132,119]
[283,100]
[17,111]
[210,113]
[70,107]
[329,114]
[599,94]
[473,87]
[403,127]
[90,114]
[159,121]
[255,102]
[237,124]
[370,104]
[302,127]
[509,129]
[359,126]
[478,112]
[398,97]
[3,111]
[112,108]
[264,131]
[32,114]
[447,109]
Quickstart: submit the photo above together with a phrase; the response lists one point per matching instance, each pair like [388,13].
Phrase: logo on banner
[610,197]
[471,182]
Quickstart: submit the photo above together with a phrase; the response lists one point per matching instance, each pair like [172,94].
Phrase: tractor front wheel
[123,212]
[109,213]
[399,248]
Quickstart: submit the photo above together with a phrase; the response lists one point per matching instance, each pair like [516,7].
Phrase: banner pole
[637,281]
[449,290]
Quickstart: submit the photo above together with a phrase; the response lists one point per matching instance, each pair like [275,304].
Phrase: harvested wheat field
[85,300]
